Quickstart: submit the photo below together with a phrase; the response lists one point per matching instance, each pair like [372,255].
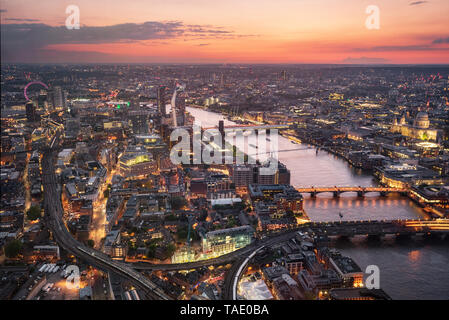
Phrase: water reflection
[309,168]
[414,269]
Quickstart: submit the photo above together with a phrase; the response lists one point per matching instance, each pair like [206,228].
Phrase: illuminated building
[427,149]
[152,143]
[65,156]
[431,195]
[219,242]
[39,137]
[347,269]
[398,152]
[46,251]
[359,134]
[136,162]
[118,251]
[336,96]
[419,130]
[294,263]
[404,175]
[113,237]
[111,125]
[139,121]
[286,197]
[184,254]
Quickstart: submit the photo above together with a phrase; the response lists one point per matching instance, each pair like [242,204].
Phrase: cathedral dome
[422,120]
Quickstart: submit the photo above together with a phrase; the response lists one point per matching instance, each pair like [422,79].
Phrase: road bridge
[361,191]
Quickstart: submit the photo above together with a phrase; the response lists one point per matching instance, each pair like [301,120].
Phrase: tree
[151,250]
[34,213]
[231,222]
[171,217]
[203,215]
[178,202]
[182,233]
[13,248]
[106,193]
[170,249]
[90,243]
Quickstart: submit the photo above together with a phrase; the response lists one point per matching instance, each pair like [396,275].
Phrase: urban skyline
[214,178]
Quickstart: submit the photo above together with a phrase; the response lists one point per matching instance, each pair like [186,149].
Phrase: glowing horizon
[200,31]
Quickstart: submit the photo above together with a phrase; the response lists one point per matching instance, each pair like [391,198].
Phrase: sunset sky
[231,31]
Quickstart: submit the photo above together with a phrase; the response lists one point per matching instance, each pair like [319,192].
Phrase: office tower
[139,121]
[178,111]
[41,100]
[283,174]
[57,98]
[180,108]
[242,175]
[31,112]
[284,75]
[162,100]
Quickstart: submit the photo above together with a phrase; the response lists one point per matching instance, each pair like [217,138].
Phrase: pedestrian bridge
[361,191]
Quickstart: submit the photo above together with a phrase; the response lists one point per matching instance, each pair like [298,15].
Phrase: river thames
[415,269]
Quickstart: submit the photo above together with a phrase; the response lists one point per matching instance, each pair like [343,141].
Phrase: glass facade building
[219,242]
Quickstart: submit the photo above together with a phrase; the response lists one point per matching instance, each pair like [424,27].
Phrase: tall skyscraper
[175,109]
[180,108]
[284,75]
[41,100]
[57,98]
[31,112]
[162,100]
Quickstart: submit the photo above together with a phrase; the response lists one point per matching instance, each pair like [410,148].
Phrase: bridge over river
[361,191]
